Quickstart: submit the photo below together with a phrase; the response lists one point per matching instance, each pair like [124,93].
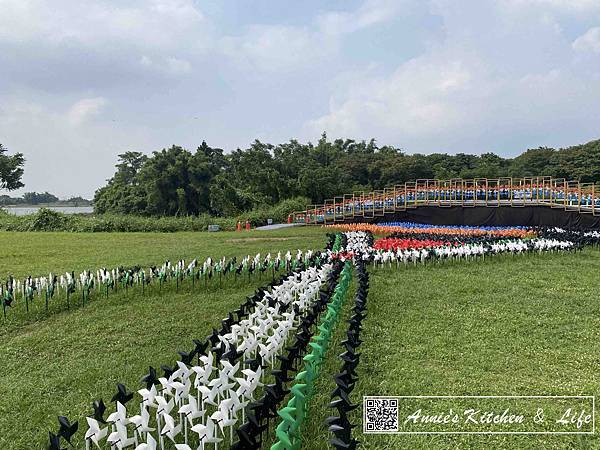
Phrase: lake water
[22,211]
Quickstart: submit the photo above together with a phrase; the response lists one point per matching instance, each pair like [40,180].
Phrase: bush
[49,220]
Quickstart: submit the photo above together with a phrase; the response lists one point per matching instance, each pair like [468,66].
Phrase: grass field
[35,254]
[526,325]
[521,325]
[40,253]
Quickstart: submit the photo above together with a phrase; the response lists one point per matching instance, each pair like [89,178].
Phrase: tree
[11,170]
[176,181]
[34,198]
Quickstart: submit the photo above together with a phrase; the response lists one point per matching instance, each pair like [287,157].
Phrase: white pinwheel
[206,433]
[119,438]
[223,417]
[191,411]
[119,416]
[150,443]
[170,429]
[148,396]
[94,432]
[141,422]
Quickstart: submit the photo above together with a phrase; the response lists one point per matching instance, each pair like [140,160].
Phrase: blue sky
[81,82]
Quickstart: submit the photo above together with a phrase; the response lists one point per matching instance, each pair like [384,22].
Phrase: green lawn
[527,325]
[62,362]
[38,253]
[522,326]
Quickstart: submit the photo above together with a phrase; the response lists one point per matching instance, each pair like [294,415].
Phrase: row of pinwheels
[292,416]
[345,380]
[427,248]
[205,398]
[62,290]
[467,251]
[416,228]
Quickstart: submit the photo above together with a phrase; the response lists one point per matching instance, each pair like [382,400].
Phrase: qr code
[381,415]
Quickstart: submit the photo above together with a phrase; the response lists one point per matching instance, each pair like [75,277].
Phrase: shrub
[49,220]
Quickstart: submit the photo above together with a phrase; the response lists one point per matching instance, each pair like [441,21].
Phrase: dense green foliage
[34,198]
[176,181]
[11,170]
[49,220]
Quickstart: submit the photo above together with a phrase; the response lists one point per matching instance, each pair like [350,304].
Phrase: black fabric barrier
[485,216]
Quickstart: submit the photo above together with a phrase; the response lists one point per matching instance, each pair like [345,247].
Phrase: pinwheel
[141,422]
[94,433]
[150,379]
[99,409]
[104,280]
[150,443]
[414,228]
[191,411]
[206,433]
[54,441]
[266,319]
[67,430]
[208,395]
[119,416]
[182,390]
[120,437]
[122,396]
[224,418]
[170,428]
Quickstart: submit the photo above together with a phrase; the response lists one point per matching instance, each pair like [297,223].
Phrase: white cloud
[422,96]
[577,6]
[283,48]
[178,66]
[66,152]
[157,24]
[589,41]
[277,48]
[85,109]
[487,75]
[370,13]
[170,66]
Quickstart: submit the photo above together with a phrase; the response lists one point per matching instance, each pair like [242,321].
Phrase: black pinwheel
[150,379]
[54,441]
[67,429]
[122,396]
[99,409]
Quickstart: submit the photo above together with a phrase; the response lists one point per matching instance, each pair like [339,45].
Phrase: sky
[81,82]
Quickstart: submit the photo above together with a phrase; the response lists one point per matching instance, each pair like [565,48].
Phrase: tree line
[176,181]
[42,198]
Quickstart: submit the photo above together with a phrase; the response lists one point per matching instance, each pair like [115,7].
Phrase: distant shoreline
[49,205]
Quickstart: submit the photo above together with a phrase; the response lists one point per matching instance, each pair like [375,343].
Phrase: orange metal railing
[489,192]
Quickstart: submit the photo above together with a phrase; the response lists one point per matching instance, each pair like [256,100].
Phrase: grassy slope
[522,326]
[527,325]
[64,362]
[37,254]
